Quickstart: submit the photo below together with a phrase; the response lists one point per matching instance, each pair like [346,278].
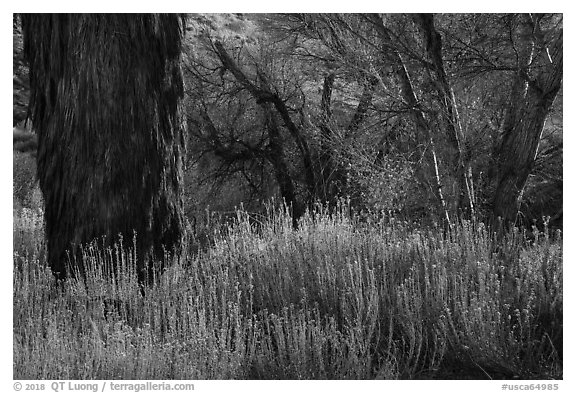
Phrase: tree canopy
[433,117]
[426,117]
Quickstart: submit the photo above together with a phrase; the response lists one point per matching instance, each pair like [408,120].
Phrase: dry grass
[335,299]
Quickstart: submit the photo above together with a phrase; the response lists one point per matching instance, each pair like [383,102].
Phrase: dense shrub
[335,299]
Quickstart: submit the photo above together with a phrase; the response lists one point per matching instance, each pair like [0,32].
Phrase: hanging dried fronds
[105,92]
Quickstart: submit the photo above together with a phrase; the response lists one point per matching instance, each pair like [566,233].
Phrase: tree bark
[450,119]
[416,113]
[105,102]
[363,104]
[524,122]
[278,160]
[327,138]
[264,97]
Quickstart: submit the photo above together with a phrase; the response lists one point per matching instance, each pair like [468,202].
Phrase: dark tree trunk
[278,160]
[268,100]
[327,139]
[333,176]
[105,93]
[529,106]
[449,118]
[423,133]
[364,103]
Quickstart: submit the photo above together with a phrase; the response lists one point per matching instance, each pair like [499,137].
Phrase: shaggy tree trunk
[105,92]
[530,103]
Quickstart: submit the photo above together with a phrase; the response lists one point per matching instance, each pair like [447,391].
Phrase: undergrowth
[336,299]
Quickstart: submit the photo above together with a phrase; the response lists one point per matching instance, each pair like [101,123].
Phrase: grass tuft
[337,299]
